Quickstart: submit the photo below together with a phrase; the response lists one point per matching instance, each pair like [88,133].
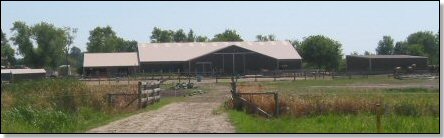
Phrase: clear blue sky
[357,25]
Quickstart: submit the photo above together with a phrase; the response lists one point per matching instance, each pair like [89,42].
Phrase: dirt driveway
[195,115]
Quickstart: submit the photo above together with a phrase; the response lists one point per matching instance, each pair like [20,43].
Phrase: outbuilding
[383,63]
[110,64]
[22,74]
[218,57]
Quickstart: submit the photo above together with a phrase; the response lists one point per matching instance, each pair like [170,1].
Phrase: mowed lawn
[347,106]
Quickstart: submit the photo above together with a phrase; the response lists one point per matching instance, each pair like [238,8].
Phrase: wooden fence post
[139,103]
[378,118]
[294,76]
[255,78]
[276,99]
[305,75]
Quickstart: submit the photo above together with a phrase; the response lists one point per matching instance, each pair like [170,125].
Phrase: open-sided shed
[383,63]
[22,74]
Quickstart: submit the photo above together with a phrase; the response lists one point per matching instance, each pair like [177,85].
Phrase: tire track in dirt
[194,115]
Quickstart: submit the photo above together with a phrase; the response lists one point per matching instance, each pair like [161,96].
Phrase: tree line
[44,45]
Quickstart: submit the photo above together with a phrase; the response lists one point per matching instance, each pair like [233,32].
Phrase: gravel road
[194,115]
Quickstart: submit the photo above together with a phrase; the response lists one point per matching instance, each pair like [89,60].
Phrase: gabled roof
[110,59]
[158,52]
[386,56]
[23,71]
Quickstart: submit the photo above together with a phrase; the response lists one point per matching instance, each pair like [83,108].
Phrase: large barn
[383,63]
[218,57]
[110,64]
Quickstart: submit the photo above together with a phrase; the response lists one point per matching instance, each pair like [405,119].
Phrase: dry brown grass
[308,104]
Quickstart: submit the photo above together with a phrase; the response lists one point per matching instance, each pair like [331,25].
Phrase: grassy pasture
[344,106]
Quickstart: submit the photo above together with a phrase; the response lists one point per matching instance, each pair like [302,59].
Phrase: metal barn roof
[23,71]
[158,52]
[110,59]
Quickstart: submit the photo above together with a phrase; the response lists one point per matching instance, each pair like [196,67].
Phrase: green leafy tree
[227,36]
[416,50]
[400,48]
[321,52]
[7,53]
[51,44]
[22,38]
[428,43]
[105,40]
[202,39]
[191,37]
[179,36]
[263,38]
[385,46]
[162,36]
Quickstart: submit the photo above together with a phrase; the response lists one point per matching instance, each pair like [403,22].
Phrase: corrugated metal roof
[386,56]
[110,59]
[158,52]
[23,71]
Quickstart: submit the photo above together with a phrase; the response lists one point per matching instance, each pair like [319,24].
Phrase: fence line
[240,102]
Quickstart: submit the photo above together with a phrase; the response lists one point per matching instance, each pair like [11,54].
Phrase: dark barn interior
[109,71]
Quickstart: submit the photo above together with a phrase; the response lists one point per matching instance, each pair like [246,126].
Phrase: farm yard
[306,106]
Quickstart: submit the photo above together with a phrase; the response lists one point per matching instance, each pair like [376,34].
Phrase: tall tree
[105,40]
[385,46]
[7,53]
[400,48]
[102,39]
[228,35]
[321,52]
[179,36]
[22,38]
[51,42]
[425,41]
[162,36]
[75,57]
[191,37]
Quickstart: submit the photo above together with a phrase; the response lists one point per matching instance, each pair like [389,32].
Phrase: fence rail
[241,103]
[148,93]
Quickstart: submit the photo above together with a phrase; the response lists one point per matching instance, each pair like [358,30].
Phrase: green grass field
[310,106]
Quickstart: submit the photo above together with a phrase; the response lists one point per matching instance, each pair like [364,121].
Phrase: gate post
[276,100]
